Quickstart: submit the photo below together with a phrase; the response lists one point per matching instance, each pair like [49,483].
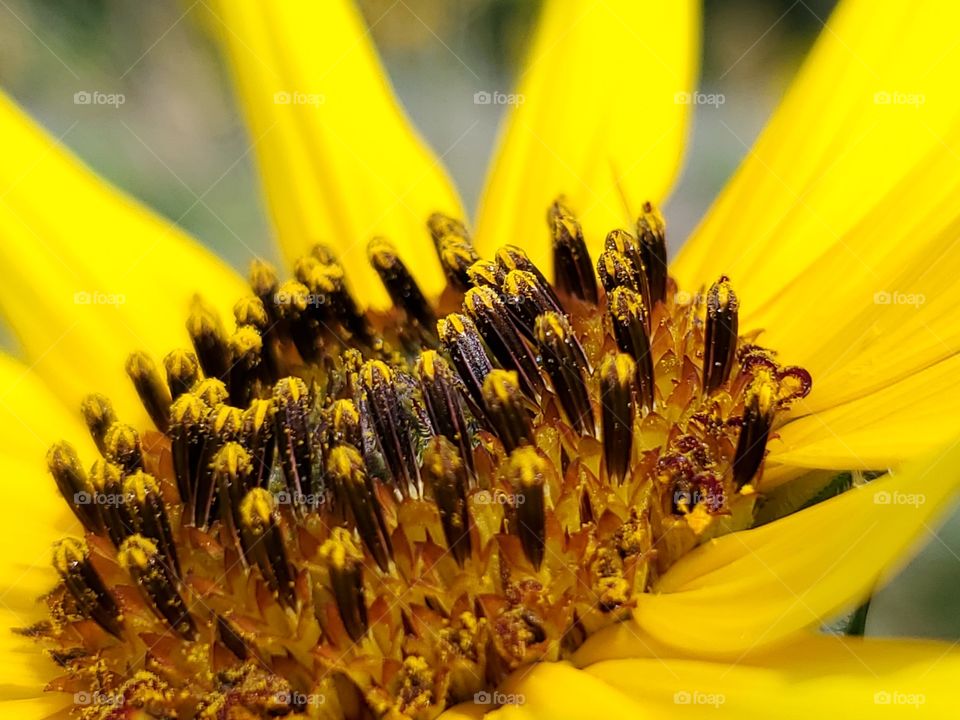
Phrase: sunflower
[418,478]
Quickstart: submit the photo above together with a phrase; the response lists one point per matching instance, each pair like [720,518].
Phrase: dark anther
[507,410]
[68,473]
[106,482]
[625,245]
[346,469]
[344,423]
[140,557]
[526,471]
[209,340]
[98,414]
[250,310]
[617,412]
[231,638]
[71,558]
[324,253]
[572,268]
[391,424]
[291,404]
[344,563]
[486,273]
[628,315]
[441,397]
[616,270]
[562,358]
[151,388]
[212,391]
[188,440]
[461,341]
[264,282]
[400,285]
[760,404]
[444,473]
[720,336]
[492,319]
[328,286]
[233,471]
[652,238]
[247,371]
[183,372]
[456,253]
[147,515]
[122,444]
[297,307]
[265,545]
[258,434]
[526,300]
[224,424]
[514,259]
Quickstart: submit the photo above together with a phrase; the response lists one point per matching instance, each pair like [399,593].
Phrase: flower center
[381,514]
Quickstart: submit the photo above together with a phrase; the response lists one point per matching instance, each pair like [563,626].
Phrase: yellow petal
[905,419]
[603,120]
[876,95]
[754,588]
[839,232]
[89,274]
[38,708]
[34,516]
[817,676]
[339,160]
[561,692]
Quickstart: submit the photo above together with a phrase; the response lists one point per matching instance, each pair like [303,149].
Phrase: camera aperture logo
[300,700]
[498,699]
[86,297]
[498,497]
[96,97]
[899,98]
[99,699]
[898,297]
[483,97]
[898,697]
[299,98]
[699,98]
[897,497]
[698,697]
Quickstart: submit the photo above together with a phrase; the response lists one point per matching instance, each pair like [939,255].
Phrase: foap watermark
[498,497]
[898,297]
[482,97]
[899,98]
[712,498]
[96,97]
[698,697]
[96,297]
[323,497]
[98,498]
[282,297]
[497,698]
[297,97]
[301,700]
[898,697]
[897,497]
[101,699]
[699,98]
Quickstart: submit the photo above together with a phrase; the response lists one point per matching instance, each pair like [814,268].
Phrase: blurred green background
[178,144]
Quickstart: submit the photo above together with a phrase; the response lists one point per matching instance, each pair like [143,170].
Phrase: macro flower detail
[512,468]
[373,508]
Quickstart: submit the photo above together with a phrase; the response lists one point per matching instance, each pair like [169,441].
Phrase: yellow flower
[321,529]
